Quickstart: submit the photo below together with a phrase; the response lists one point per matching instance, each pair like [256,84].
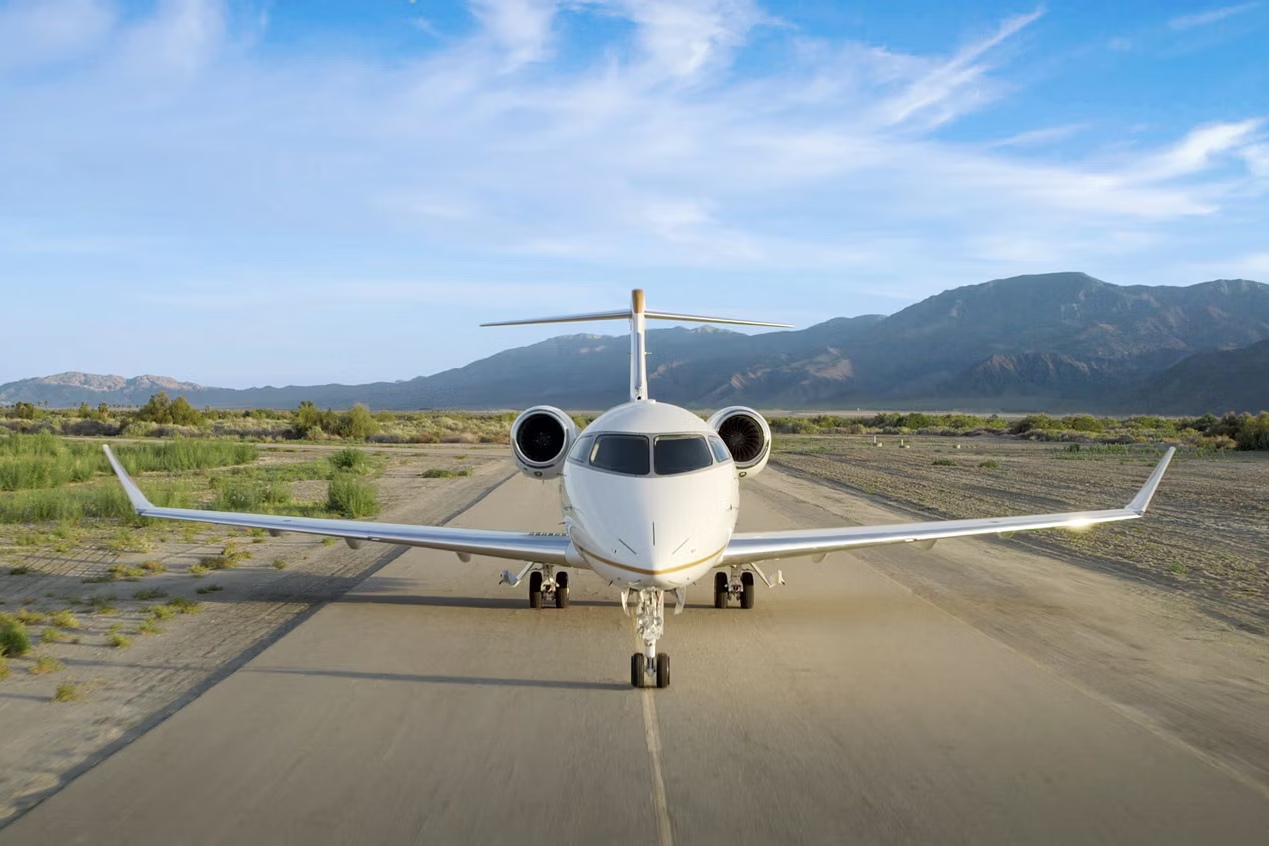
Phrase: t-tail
[638,316]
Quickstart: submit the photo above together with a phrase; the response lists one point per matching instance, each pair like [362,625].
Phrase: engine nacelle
[747,435]
[540,440]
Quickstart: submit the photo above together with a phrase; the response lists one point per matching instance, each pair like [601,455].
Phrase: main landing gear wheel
[720,590]
[561,590]
[747,593]
[535,589]
[638,669]
[663,670]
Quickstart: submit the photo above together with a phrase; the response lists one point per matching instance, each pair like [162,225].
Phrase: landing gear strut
[650,667]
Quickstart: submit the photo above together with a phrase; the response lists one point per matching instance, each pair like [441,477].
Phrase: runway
[431,705]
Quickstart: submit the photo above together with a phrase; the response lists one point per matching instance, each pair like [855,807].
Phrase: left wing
[525,546]
[749,547]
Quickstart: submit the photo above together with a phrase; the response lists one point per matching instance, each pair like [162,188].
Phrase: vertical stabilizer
[638,348]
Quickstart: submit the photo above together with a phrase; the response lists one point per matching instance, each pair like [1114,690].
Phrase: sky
[246,192]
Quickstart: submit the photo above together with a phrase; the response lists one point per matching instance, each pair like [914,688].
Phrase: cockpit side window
[581,449]
[721,453]
[626,454]
[680,454]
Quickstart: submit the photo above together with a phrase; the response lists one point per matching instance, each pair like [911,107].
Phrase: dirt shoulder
[1151,651]
[119,692]
[1206,535]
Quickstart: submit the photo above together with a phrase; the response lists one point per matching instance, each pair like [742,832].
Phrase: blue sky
[244,192]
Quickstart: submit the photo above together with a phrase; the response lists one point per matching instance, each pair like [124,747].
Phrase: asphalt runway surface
[431,705]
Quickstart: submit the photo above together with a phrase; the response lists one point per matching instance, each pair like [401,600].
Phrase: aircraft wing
[748,547]
[524,546]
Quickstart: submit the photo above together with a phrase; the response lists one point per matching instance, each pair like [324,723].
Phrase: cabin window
[680,454]
[626,454]
[581,449]
[721,453]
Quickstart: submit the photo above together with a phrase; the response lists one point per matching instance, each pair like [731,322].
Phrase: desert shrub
[64,620]
[66,692]
[351,497]
[1033,422]
[351,460]
[185,605]
[160,409]
[14,639]
[990,464]
[358,423]
[184,454]
[1253,432]
[44,664]
[944,462]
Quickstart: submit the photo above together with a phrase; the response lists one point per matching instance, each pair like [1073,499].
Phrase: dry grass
[67,692]
[44,665]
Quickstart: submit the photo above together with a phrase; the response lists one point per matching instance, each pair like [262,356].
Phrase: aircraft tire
[638,664]
[720,590]
[535,589]
[561,597]
[663,670]
[747,592]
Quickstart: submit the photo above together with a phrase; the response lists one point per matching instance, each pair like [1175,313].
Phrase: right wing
[537,547]
[750,547]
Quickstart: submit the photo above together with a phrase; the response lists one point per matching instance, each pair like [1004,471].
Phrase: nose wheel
[650,668]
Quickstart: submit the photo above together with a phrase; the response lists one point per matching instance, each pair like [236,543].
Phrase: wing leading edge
[749,547]
[524,546]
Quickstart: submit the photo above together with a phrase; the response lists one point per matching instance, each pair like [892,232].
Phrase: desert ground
[1102,687]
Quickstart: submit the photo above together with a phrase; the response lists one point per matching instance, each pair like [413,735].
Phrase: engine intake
[747,436]
[540,441]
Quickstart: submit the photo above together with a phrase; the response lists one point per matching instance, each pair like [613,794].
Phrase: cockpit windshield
[627,454]
[680,454]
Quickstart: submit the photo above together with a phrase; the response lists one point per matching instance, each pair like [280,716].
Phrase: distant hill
[69,389]
[1216,381]
[1056,341]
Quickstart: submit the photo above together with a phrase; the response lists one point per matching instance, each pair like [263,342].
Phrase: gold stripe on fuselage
[587,553]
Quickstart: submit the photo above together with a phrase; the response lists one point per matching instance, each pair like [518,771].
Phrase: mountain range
[1056,342]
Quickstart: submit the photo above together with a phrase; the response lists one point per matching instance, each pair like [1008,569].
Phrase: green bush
[351,497]
[358,423]
[13,639]
[1253,432]
[351,460]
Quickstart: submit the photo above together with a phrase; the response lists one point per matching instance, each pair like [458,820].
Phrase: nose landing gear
[650,667]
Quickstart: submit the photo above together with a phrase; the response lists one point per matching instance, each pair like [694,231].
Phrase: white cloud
[41,32]
[1040,137]
[653,150]
[947,89]
[1197,150]
[679,38]
[521,27]
[1210,16]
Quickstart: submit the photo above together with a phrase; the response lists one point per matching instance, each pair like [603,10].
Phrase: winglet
[1141,501]
[139,503]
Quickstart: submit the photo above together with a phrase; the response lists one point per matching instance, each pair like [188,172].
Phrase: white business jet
[650,497]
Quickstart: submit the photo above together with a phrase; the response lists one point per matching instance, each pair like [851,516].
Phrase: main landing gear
[649,667]
[739,584]
[545,585]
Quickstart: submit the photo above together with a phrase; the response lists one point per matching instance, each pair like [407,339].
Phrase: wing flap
[748,547]
[524,546]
